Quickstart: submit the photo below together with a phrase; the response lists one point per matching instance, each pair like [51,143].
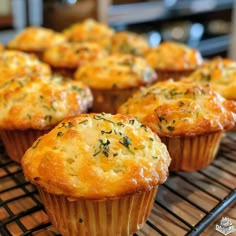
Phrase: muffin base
[120,216]
[175,75]
[109,100]
[192,153]
[16,142]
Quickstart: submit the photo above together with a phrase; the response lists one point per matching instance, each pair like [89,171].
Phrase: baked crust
[72,55]
[38,103]
[173,56]
[35,39]
[97,156]
[128,43]
[117,71]
[15,64]
[1,47]
[220,74]
[181,109]
[89,30]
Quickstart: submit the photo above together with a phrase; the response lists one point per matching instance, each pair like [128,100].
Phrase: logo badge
[226,226]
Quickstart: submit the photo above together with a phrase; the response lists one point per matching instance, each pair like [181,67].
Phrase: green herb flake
[103,147]
[83,122]
[59,134]
[100,117]
[154,157]
[180,104]
[29,116]
[151,139]
[81,220]
[36,143]
[48,118]
[106,132]
[171,128]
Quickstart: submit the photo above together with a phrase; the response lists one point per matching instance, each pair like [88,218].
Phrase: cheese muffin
[190,120]
[15,64]
[65,58]
[89,30]
[128,43]
[35,40]
[114,78]
[220,74]
[31,106]
[97,174]
[173,60]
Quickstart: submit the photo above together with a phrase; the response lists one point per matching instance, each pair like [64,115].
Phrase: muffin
[190,120]
[97,174]
[220,74]
[128,43]
[65,58]
[89,30]
[114,78]
[30,106]
[173,60]
[16,64]
[35,40]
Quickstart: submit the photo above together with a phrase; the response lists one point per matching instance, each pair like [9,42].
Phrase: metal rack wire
[187,204]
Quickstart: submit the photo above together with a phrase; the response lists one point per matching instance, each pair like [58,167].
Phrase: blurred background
[209,25]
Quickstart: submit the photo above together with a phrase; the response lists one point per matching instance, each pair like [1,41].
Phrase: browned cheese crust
[181,109]
[220,74]
[129,43]
[97,156]
[73,55]
[30,102]
[15,64]
[172,56]
[89,30]
[35,39]
[117,71]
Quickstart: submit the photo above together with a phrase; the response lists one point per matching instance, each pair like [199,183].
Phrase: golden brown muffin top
[173,56]
[97,156]
[181,109]
[117,71]
[89,30]
[35,39]
[36,103]
[128,43]
[220,74]
[15,64]
[72,55]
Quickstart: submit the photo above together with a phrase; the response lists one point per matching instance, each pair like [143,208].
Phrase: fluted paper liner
[16,142]
[109,100]
[192,153]
[119,216]
[169,74]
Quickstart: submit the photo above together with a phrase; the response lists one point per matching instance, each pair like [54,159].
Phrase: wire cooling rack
[187,204]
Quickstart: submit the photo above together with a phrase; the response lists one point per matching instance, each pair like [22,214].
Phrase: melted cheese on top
[35,39]
[173,56]
[220,74]
[15,64]
[72,55]
[89,30]
[116,71]
[97,156]
[129,43]
[180,108]
[31,102]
